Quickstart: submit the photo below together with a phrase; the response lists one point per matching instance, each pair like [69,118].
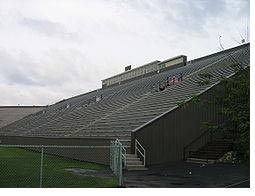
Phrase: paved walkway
[188,175]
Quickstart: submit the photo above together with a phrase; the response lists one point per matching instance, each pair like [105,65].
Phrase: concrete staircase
[134,163]
[209,153]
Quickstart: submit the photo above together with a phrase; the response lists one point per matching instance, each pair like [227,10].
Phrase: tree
[234,96]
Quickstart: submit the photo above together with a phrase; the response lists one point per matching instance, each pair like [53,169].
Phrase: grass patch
[21,168]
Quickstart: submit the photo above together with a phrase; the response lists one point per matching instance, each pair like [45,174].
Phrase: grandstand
[135,110]
[9,114]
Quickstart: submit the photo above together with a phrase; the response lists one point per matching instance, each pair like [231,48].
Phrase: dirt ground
[190,175]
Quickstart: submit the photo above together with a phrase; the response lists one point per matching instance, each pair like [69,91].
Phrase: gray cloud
[49,28]
[14,72]
[26,70]
[51,50]
[190,16]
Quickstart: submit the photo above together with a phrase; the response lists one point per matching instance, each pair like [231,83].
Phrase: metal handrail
[137,149]
[123,154]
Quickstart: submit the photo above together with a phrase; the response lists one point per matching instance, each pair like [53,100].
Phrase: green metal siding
[165,138]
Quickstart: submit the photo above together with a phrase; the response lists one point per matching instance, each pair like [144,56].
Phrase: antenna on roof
[247,31]
[220,43]
[236,40]
[242,39]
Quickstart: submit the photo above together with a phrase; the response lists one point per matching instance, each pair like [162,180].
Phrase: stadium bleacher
[114,112]
[9,114]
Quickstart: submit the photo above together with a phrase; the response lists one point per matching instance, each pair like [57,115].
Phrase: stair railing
[137,150]
[124,155]
[205,137]
[123,152]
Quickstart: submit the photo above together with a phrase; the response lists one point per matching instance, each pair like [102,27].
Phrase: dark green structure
[156,109]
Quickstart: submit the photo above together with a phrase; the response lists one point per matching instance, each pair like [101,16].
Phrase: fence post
[115,158]
[41,168]
[120,165]
[110,155]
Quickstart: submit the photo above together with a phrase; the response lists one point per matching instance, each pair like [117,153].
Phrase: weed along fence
[60,166]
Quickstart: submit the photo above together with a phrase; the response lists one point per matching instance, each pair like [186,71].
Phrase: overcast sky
[55,49]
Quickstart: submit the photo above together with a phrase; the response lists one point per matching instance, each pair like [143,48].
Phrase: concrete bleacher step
[136,168]
[132,159]
[200,161]
[134,163]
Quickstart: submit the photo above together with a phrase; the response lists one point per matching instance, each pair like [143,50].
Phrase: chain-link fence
[116,159]
[60,166]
